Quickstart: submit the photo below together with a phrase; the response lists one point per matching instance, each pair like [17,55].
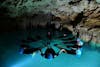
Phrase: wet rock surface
[82,15]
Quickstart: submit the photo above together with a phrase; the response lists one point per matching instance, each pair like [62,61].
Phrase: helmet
[21,51]
[80,42]
[50,56]
[79,52]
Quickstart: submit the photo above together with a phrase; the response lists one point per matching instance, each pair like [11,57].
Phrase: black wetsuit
[26,49]
[30,50]
[48,52]
[71,51]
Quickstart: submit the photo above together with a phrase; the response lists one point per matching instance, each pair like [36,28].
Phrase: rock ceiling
[86,12]
[62,7]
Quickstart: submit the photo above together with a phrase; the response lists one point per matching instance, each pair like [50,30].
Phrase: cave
[32,29]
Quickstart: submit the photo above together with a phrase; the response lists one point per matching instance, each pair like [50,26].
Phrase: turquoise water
[10,57]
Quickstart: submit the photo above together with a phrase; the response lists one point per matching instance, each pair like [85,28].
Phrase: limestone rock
[67,10]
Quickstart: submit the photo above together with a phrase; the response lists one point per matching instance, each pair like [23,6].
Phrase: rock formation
[82,15]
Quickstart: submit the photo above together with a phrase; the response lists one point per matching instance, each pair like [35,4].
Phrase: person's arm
[62,50]
[74,48]
[42,54]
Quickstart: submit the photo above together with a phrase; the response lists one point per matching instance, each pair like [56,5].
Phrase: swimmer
[75,49]
[25,49]
[49,35]
[49,53]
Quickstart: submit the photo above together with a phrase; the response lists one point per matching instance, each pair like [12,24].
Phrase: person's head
[79,52]
[50,56]
[23,48]
[49,33]
[79,42]
[65,34]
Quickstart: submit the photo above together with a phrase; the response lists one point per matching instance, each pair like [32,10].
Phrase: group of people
[50,53]
[75,49]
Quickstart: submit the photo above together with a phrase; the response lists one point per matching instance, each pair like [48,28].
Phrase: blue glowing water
[9,56]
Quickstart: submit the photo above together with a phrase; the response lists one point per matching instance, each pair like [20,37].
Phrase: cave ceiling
[85,12]
[57,7]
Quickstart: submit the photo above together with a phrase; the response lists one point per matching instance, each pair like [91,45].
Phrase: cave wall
[83,15]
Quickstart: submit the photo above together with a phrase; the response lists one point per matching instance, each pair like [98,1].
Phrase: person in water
[75,49]
[26,49]
[49,52]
